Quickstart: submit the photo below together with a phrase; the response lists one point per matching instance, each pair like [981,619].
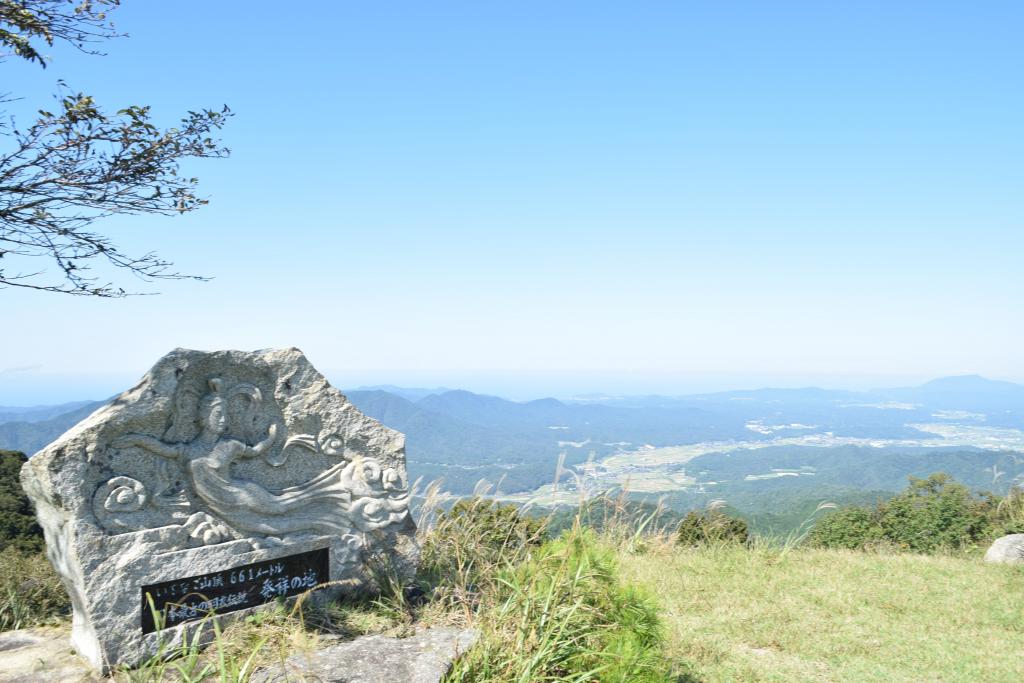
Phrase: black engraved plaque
[195,597]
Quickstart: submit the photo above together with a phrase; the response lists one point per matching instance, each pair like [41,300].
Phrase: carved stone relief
[215,456]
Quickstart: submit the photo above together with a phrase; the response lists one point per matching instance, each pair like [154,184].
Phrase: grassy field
[763,614]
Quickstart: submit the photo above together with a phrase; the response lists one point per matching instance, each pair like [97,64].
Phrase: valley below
[671,469]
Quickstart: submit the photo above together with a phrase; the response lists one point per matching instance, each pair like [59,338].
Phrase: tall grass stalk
[1010,510]
[796,538]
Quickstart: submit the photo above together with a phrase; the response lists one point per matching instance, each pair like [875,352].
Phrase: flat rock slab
[40,656]
[423,658]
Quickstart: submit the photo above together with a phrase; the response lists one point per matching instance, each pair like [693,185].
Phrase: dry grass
[30,591]
[765,614]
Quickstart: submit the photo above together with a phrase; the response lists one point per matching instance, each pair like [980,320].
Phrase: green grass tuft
[563,615]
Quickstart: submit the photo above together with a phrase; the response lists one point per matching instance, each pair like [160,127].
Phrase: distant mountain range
[464,437]
[36,427]
[965,392]
[408,393]
[39,413]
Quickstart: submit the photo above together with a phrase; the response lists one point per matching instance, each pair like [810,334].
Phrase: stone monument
[220,482]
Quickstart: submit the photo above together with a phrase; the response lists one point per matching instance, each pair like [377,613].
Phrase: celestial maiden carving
[355,494]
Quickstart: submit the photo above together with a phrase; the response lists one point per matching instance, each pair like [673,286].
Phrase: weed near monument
[546,609]
[30,591]
[564,614]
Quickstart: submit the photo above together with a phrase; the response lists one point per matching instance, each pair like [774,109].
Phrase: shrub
[469,543]
[711,526]
[496,528]
[930,515]
[935,513]
[18,527]
[30,590]
[853,528]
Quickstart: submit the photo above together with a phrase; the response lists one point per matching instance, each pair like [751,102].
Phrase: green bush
[18,527]
[935,513]
[932,514]
[563,615]
[711,526]
[853,528]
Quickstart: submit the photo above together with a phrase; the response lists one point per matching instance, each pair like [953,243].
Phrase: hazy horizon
[25,387]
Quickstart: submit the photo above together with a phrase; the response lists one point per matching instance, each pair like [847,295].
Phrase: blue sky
[542,198]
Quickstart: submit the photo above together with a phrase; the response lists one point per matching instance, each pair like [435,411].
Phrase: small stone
[1008,550]
[423,658]
[220,482]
